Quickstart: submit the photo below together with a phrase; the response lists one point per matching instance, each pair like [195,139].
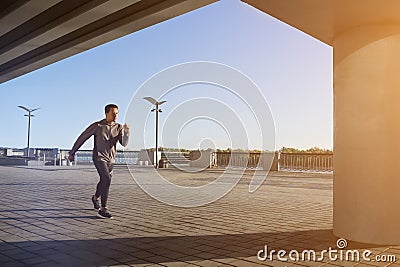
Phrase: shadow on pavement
[168,249]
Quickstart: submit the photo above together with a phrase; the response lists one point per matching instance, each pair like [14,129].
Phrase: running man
[107,133]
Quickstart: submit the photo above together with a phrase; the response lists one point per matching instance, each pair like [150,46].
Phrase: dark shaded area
[137,250]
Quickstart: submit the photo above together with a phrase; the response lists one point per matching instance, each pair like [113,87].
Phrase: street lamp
[29,115]
[157,110]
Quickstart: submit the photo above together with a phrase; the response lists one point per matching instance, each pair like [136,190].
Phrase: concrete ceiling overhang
[325,19]
[36,33]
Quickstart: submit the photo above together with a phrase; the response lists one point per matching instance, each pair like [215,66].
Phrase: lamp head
[153,101]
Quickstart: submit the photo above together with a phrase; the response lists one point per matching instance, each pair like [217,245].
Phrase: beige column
[367,134]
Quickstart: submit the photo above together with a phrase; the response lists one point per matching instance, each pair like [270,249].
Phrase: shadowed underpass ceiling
[36,33]
[326,19]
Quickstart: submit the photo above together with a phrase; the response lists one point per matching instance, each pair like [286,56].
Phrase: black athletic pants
[103,187]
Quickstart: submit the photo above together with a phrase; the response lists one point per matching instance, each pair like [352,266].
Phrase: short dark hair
[110,106]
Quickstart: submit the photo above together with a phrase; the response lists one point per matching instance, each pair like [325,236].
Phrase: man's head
[111,111]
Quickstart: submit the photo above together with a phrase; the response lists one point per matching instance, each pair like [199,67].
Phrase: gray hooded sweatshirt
[106,137]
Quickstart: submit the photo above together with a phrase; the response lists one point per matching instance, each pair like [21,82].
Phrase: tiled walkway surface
[46,219]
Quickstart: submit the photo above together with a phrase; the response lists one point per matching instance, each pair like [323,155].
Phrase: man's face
[112,115]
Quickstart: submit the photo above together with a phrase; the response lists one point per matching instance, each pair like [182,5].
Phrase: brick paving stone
[4,259]
[12,264]
[35,260]
[225,261]
[207,263]
[240,263]
[364,265]
[343,263]
[36,227]
[177,264]
[312,264]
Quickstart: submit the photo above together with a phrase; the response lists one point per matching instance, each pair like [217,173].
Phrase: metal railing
[306,162]
[121,157]
[237,159]
[59,157]
[283,161]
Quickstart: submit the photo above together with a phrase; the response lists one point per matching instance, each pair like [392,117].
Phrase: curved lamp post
[157,110]
[29,115]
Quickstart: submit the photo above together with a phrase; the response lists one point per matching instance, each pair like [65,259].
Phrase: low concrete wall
[202,159]
[14,161]
[149,156]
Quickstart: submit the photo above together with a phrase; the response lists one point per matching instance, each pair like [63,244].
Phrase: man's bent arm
[124,140]
[85,135]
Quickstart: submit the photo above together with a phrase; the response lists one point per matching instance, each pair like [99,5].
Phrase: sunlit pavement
[47,218]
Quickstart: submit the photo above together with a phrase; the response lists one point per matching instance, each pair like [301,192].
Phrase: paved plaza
[47,219]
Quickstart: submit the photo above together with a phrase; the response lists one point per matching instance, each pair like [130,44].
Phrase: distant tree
[310,150]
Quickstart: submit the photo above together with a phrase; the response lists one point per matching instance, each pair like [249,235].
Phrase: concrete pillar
[367,134]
